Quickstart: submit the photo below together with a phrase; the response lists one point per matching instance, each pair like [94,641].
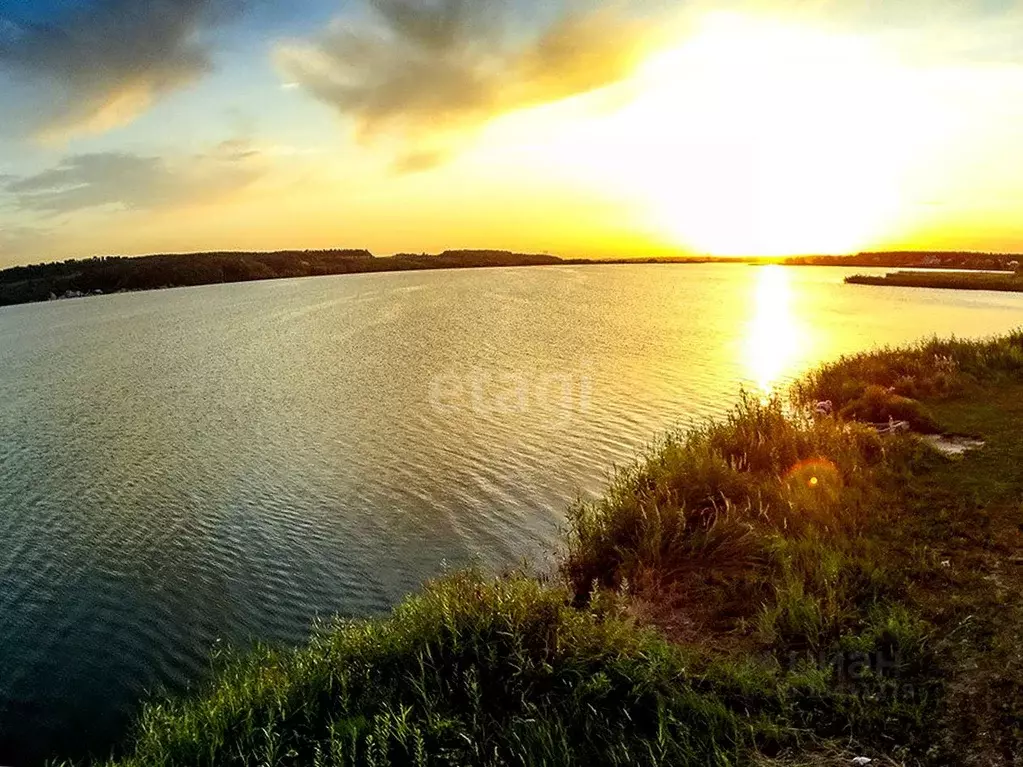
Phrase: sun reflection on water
[775,336]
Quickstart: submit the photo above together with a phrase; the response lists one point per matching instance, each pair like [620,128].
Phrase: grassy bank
[1005,281]
[775,588]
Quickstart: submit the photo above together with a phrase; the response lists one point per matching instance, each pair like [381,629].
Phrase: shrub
[877,405]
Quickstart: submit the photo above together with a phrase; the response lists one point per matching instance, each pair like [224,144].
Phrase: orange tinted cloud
[426,73]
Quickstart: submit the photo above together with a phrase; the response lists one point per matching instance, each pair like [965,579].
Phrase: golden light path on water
[776,338]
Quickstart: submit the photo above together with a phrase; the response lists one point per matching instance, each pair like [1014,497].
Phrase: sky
[588,129]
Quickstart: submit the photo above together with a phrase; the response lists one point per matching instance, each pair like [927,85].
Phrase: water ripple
[228,463]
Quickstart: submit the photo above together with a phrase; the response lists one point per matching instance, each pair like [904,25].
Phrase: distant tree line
[112,274]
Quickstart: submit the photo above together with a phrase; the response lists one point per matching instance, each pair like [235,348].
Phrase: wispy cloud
[133,182]
[418,70]
[105,62]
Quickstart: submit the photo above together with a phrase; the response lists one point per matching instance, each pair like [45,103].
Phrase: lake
[189,468]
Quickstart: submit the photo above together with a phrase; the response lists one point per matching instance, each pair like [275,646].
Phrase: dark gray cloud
[134,182]
[103,63]
[421,67]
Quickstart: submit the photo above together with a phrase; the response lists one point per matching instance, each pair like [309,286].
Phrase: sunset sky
[581,128]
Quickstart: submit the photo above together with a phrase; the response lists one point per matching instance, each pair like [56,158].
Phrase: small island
[1004,281]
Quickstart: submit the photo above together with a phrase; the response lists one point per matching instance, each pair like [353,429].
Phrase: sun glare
[775,143]
[750,137]
[774,338]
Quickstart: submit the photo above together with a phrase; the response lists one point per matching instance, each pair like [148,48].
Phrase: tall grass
[504,672]
[769,507]
[469,672]
[932,369]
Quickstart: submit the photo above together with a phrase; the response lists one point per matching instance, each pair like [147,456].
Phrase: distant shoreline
[115,274]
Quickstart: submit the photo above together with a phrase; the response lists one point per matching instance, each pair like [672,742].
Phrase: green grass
[776,587]
[501,672]
[470,671]
[934,370]
[763,514]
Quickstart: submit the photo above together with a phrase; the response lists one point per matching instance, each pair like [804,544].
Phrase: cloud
[416,160]
[420,69]
[104,63]
[134,182]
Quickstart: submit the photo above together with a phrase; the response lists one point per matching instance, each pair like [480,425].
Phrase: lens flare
[813,473]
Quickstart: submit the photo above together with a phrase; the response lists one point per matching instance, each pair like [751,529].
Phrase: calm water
[229,462]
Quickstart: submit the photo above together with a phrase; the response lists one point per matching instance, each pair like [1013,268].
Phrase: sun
[749,137]
[777,140]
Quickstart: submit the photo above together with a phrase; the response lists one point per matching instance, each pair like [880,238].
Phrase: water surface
[226,463]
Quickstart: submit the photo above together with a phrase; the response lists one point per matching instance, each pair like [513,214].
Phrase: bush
[877,405]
